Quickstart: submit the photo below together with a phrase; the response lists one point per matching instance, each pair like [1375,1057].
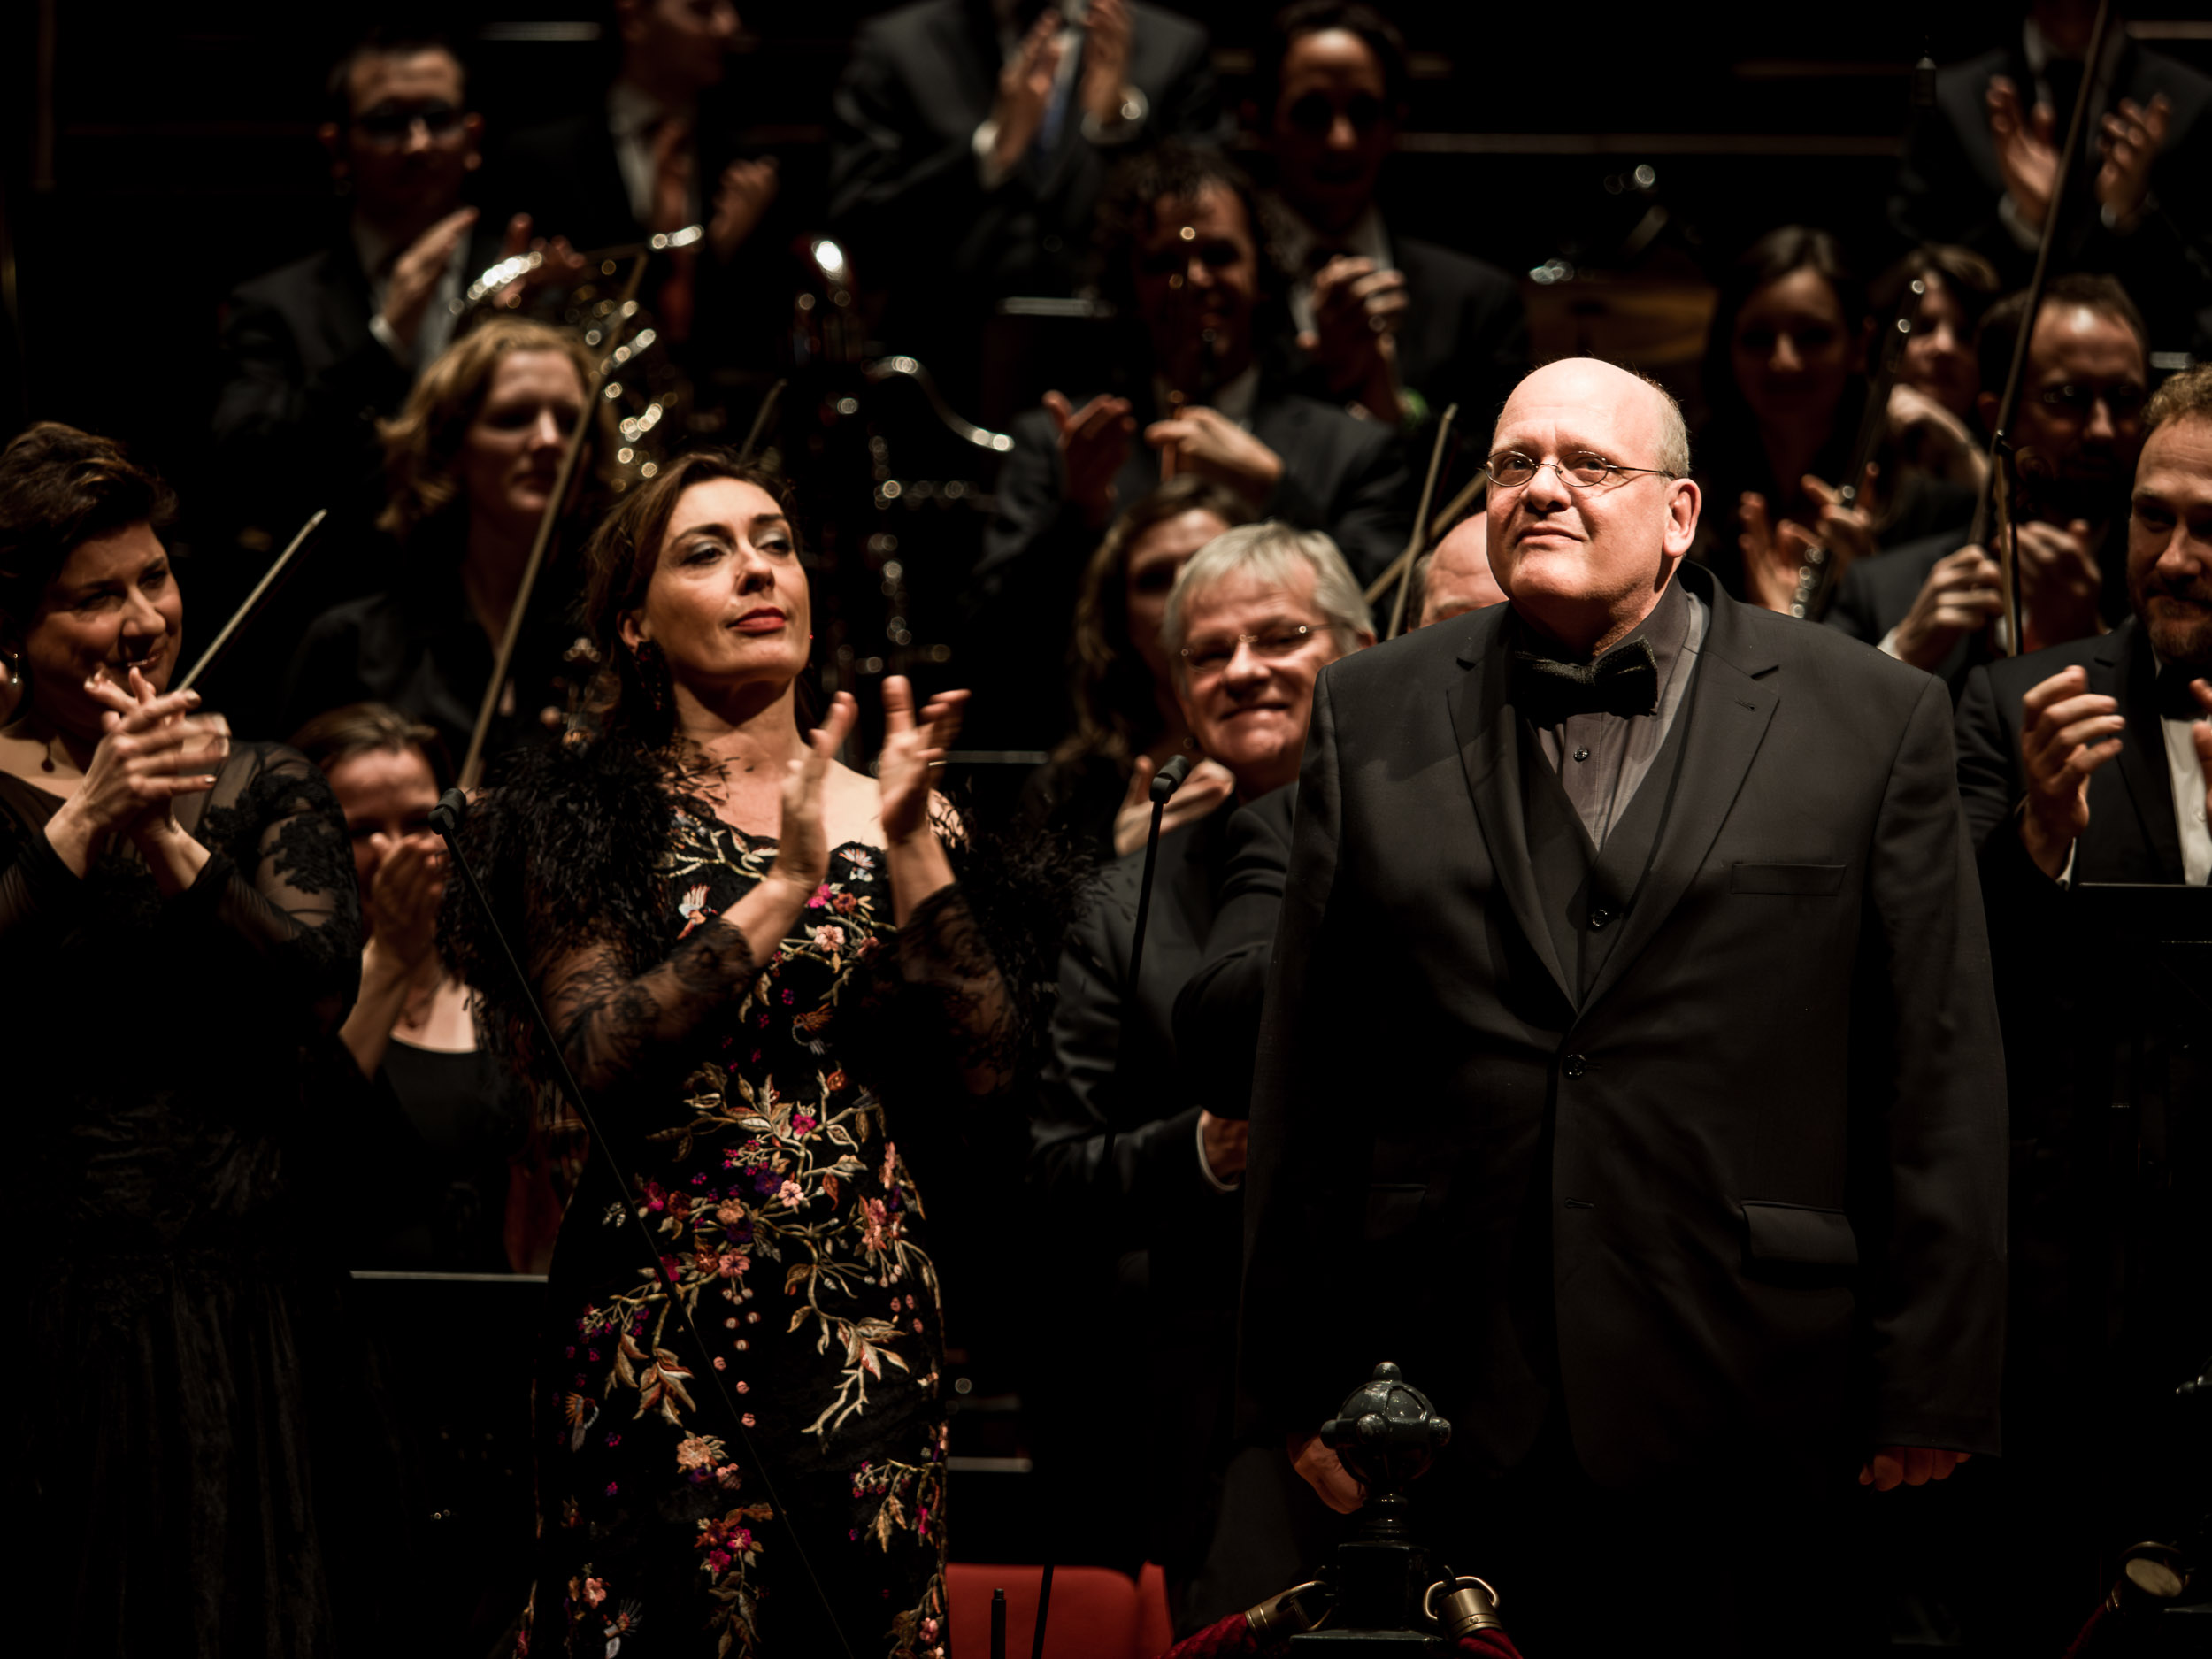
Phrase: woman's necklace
[421,1002]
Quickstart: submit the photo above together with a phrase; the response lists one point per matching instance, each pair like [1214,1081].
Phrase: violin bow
[1993,472]
[238,616]
[472,767]
[1400,569]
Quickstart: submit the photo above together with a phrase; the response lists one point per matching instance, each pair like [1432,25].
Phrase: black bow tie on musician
[1623,681]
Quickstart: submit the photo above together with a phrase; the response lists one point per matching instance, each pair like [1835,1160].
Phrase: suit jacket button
[1600,917]
[1573,1066]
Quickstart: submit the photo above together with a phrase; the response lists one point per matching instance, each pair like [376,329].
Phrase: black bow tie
[2175,701]
[1623,681]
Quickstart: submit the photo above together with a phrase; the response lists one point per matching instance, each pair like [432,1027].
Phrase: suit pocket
[1797,1244]
[1815,882]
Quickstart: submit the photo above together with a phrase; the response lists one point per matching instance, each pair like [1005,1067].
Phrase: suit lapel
[2129,673]
[1728,710]
[1489,732]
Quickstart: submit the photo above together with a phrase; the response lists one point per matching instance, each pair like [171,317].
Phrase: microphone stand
[1165,782]
[446,817]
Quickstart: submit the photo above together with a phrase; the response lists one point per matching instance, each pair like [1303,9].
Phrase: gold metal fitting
[1470,1605]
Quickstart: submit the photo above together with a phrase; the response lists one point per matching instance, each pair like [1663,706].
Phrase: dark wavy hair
[59,488]
[619,562]
[337,735]
[1115,713]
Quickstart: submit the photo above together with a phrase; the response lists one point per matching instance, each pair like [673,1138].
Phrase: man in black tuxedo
[1979,165]
[1183,254]
[1398,327]
[2088,763]
[982,131]
[2078,426]
[661,152]
[1630,1068]
[316,352]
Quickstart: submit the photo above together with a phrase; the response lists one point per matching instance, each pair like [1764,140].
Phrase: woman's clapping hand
[802,845]
[912,750]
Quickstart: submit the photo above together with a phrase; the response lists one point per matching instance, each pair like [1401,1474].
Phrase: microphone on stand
[1165,782]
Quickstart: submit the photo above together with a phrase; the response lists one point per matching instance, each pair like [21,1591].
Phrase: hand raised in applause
[2060,583]
[1358,307]
[2132,136]
[1960,595]
[1932,438]
[1214,446]
[1024,89]
[560,264]
[1093,448]
[1105,60]
[417,271]
[400,909]
[1324,1471]
[1895,1466]
[913,750]
[2027,150]
[151,750]
[742,200]
[1209,785]
[2065,735]
[802,845]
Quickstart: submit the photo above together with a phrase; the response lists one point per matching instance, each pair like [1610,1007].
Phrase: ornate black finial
[1387,1434]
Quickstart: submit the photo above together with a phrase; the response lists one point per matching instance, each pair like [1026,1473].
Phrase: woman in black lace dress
[760,966]
[177,922]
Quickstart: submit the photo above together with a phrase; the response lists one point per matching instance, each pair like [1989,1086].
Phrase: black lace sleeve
[278,890]
[944,960]
[610,1021]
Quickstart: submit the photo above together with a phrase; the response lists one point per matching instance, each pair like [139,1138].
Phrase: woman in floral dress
[763,971]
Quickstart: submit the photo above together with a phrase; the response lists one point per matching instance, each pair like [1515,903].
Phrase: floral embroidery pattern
[787,1224]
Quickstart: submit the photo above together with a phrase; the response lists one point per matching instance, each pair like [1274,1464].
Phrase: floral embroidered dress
[787,1221]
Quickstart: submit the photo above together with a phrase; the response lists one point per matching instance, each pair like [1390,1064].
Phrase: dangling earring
[652,673]
[12,675]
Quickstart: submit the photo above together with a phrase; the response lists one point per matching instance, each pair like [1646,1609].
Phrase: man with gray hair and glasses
[1630,1070]
[1139,1167]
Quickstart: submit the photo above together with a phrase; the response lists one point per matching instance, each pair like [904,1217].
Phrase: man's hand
[1847,533]
[1322,1469]
[417,271]
[2065,735]
[740,202]
[1357,310]
[2132,139]
[2201,734]
[1895,1466]
[1214,446]
[561,265]
[1093,449]
[1225,1140]
[1105,61]
[2027,157]
[1024,88]
[2059,584]
[1962,593]
[1209,785]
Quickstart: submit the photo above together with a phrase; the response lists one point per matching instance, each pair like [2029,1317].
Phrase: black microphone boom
[1168,779]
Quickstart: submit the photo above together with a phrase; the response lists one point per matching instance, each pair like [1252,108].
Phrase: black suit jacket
[1339,474]
[303,385]
[1217,1011]
[1949,185]
[902,168]
[1464,339]
[1742,1204]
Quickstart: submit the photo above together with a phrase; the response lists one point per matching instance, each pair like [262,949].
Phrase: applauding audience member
[1128,720]
[471,460]
[1140,1171]
[2078,428]
[983,130]
[1181,252]
[1981,167]
[2084,764]
[437,1200]
[1396,326]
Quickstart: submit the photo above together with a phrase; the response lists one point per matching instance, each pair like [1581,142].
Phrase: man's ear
[1685,500]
